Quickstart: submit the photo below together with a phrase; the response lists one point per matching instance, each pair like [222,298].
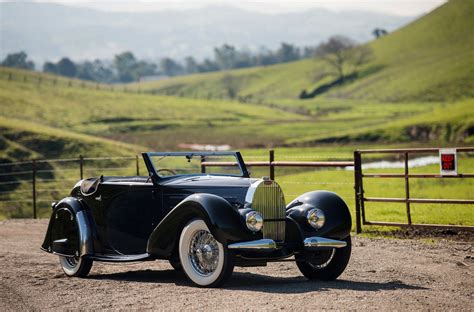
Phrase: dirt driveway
[383,274]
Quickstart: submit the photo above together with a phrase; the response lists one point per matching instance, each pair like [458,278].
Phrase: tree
[343,55]
[379,32]
[124,63]
[18,60]
[208,66]
[287,53]
[191,66]
[170,67]
[225,56]
[66,67]
[103,72]
[49,67]
[130,69]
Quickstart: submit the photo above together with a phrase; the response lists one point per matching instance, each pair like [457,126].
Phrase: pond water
[412,163]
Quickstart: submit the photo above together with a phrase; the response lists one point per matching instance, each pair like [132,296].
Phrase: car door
[132,212]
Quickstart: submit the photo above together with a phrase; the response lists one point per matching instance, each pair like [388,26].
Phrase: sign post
[448,161]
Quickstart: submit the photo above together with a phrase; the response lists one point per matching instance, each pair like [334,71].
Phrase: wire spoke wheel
[203,253]
[205,260]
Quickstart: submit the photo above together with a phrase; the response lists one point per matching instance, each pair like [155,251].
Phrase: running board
[121,258]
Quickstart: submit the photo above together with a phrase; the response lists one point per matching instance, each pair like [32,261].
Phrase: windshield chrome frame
[151,165]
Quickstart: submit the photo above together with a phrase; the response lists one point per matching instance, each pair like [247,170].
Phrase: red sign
[448,161]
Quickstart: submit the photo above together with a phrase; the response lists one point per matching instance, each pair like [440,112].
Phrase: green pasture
[417,91]
[163,122]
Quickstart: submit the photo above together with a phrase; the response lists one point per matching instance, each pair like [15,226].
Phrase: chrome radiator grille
[266,197]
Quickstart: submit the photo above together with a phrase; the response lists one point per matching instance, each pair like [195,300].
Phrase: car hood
[208,181]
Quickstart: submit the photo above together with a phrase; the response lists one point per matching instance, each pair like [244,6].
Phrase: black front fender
[223,220]
[338,218]
[69,232]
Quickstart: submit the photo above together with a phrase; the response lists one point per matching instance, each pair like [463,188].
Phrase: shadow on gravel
[256,282]
[271,284]
[146,276]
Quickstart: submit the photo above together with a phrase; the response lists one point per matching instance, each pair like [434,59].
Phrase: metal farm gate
[361,198]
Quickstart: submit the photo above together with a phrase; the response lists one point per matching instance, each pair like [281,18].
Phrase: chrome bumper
[310,243]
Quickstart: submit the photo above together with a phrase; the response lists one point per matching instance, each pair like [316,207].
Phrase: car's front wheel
[206,262]
[75,266]
[325,264]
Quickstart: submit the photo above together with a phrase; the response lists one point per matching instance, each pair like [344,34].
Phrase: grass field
[417,91]
[162,122]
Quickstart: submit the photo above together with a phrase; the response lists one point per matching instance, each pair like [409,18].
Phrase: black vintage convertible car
[204,214]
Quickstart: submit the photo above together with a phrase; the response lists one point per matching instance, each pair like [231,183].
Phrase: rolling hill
[431,59]
[418,88]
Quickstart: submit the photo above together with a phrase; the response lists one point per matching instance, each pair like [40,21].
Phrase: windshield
[174,164]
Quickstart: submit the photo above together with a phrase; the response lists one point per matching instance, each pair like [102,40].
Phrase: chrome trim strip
[321,242]
[261,244]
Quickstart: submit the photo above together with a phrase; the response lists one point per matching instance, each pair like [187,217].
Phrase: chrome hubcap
[203,253]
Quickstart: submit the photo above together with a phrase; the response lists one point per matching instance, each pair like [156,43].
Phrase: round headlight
[254,221]
[316,218]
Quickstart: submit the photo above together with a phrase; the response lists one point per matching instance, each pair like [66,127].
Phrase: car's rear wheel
[325,264]
[75,266]
[206,262]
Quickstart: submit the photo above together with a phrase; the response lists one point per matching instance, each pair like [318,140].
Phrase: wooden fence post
[33,180]
[271,159]
[81,166]
[407,189]
[358,189]
[10,76]
[203,167]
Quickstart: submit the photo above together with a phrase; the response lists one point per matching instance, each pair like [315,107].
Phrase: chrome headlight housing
[254,221]
[316,218]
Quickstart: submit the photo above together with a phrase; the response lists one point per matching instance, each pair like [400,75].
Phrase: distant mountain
[50,31]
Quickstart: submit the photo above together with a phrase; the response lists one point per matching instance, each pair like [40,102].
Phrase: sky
[394,7]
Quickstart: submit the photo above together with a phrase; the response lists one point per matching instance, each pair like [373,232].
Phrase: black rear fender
[69,232]
[338,218]
[223,220]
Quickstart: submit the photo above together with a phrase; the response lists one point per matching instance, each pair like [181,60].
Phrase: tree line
[126,67]
[339,52]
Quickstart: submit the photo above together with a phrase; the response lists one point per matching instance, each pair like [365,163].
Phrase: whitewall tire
[206,262]
[75,266]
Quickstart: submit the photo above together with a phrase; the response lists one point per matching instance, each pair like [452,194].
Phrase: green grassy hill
[432,59]
[164,122]
[20,139]
[419,86]
[157,122]
[417,91]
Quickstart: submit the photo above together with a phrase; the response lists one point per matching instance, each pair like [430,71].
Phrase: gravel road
[383,274]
